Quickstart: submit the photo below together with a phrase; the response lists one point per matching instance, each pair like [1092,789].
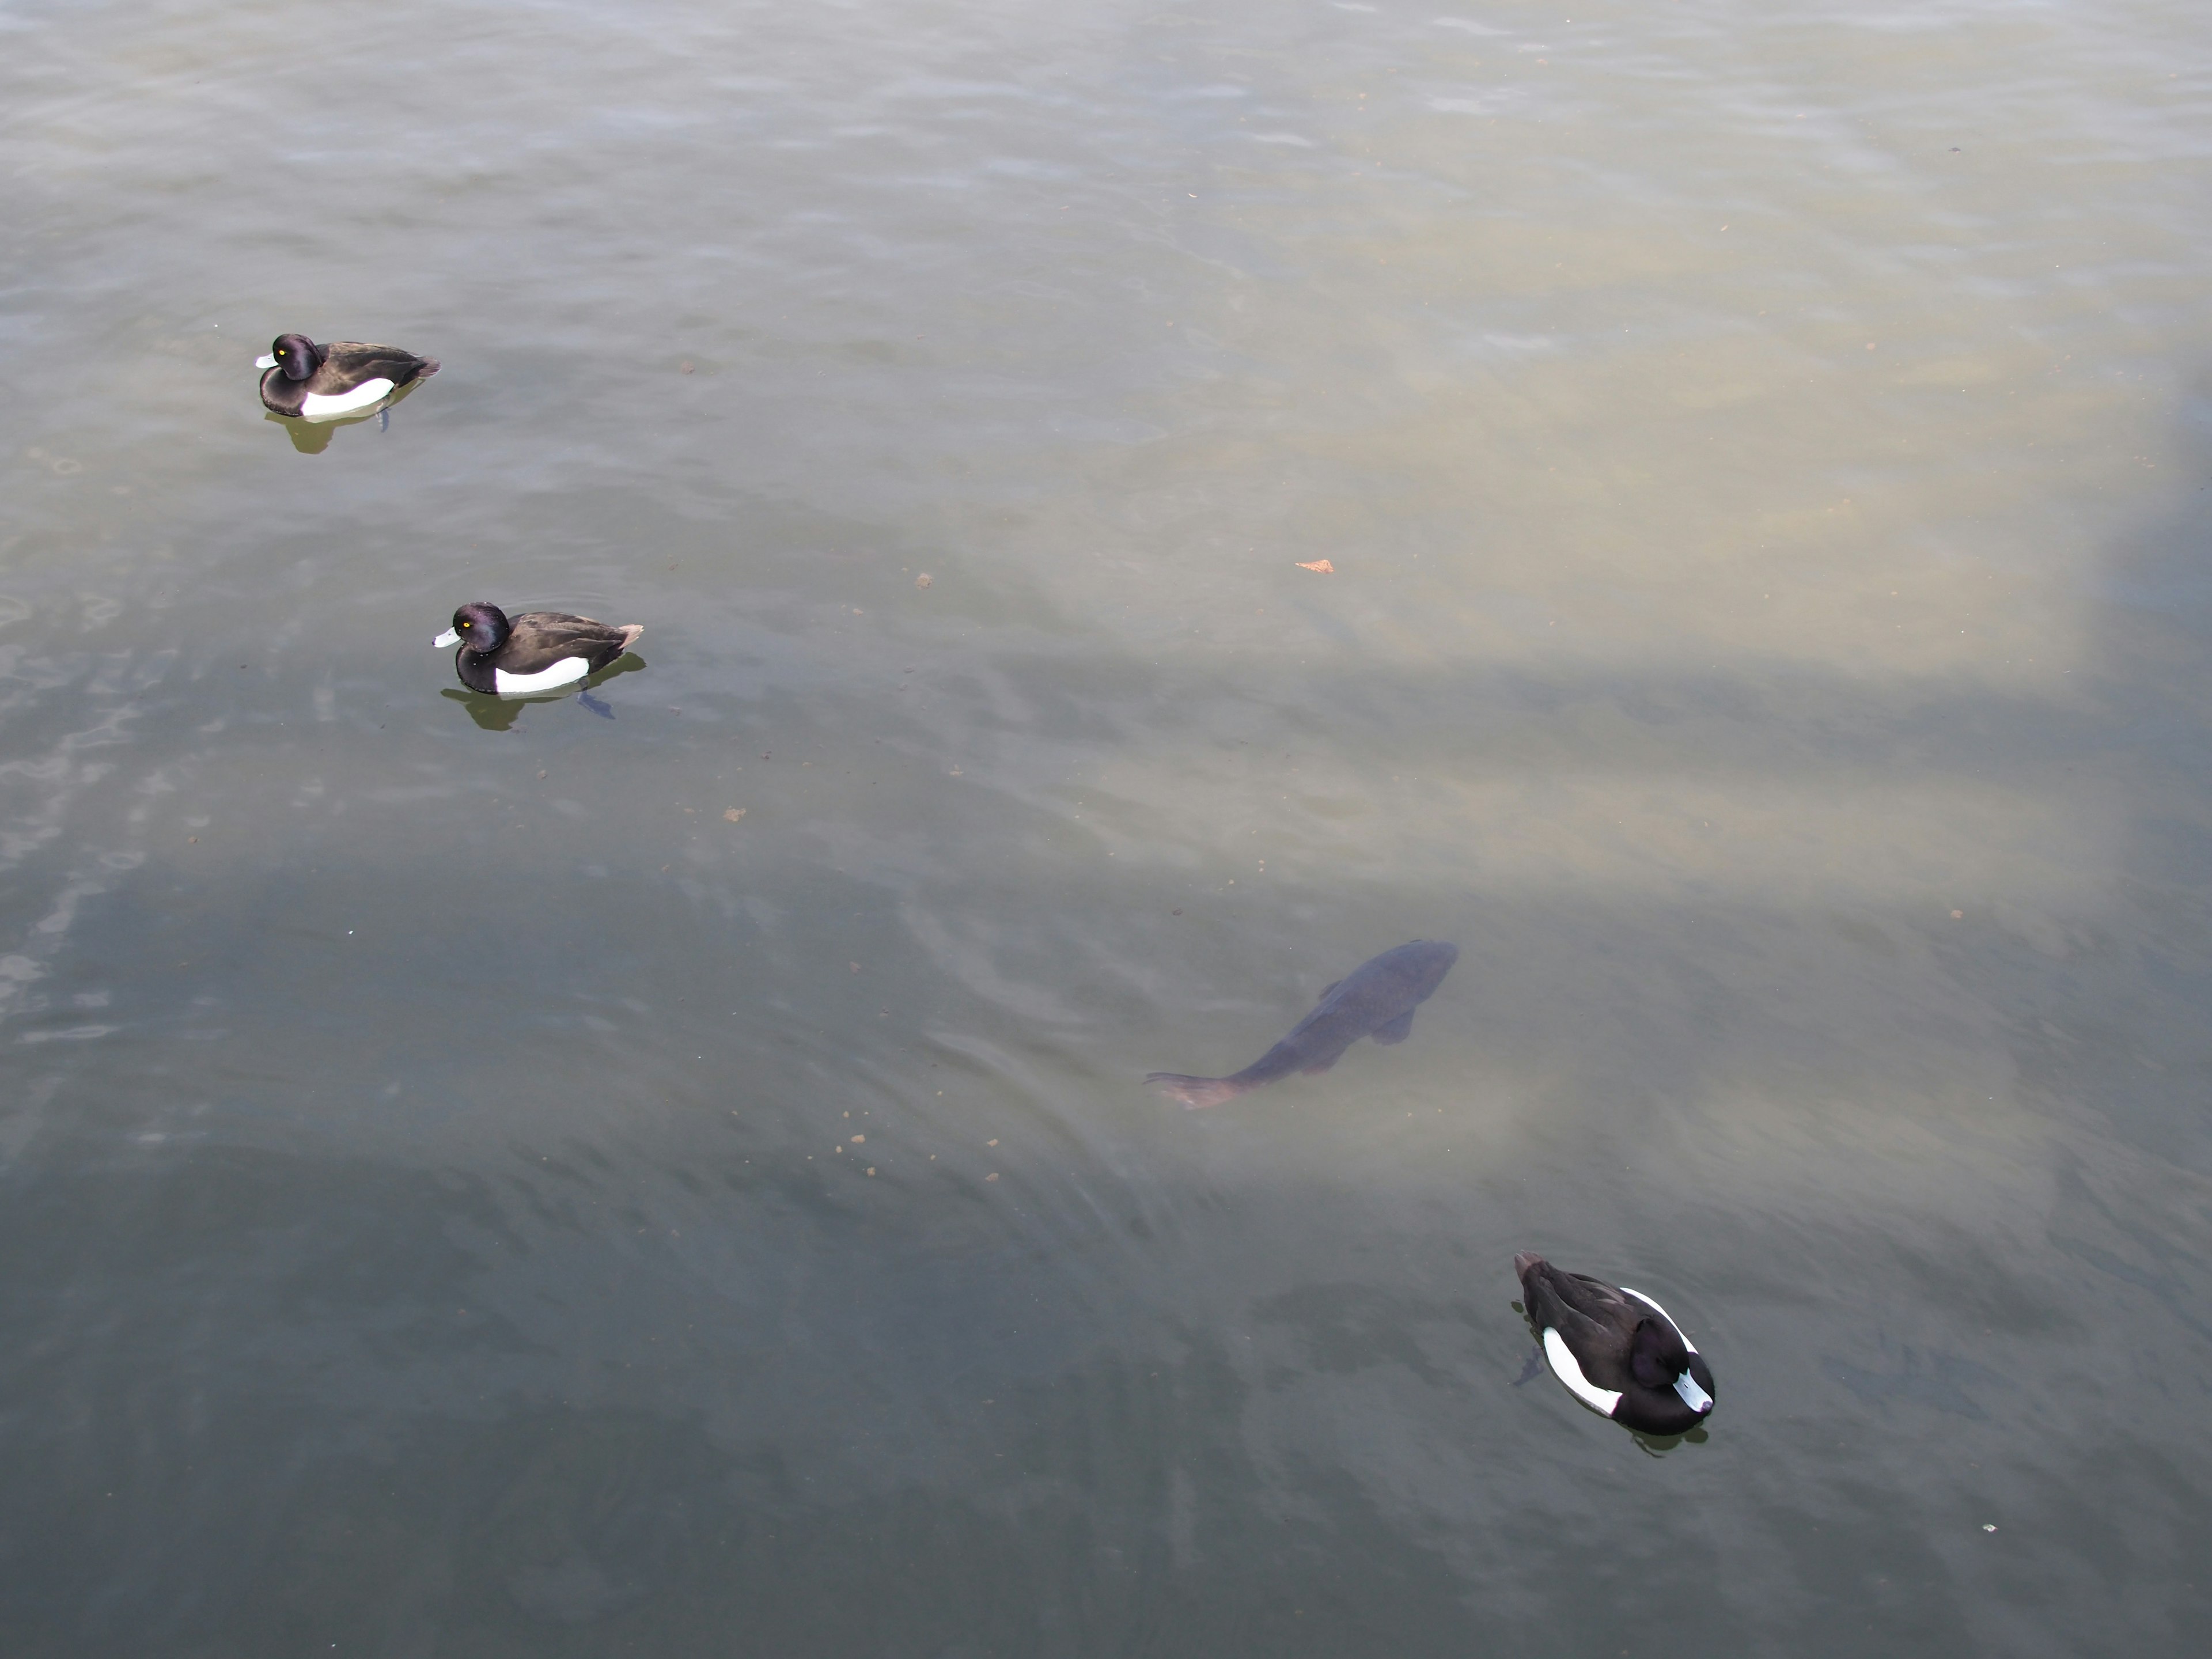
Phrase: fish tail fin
[1195,1091]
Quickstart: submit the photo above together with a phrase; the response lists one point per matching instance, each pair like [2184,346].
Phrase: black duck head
[477,627]
[296,354]
[1659,1360]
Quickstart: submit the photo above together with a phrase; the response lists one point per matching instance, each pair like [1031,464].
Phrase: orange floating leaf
[1322,565]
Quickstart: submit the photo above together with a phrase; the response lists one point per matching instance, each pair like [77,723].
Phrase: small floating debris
[922,580]
[1319,567]
[734,813]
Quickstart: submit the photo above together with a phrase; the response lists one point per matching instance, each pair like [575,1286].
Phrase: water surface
[1761,453]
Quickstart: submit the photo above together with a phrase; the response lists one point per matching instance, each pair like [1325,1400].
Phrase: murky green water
[1762,455]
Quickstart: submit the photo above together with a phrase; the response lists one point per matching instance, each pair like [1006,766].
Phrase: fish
[1377,998]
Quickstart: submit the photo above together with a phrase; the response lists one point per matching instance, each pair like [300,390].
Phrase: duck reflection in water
[1651,1445]
[497,713]
[1377,1000]
[313,437]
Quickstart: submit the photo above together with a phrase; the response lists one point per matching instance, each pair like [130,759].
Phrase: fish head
[1424,964]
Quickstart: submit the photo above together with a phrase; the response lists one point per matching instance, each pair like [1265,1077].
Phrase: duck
[321,382]
[1618,1351]
[537,651]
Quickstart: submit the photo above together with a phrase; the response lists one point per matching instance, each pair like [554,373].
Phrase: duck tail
[1524,1262]
[429,368]
[1196,1091]
[631,633]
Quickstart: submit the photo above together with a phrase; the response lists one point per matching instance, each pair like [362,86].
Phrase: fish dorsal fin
[1328,991]
[1568,1371]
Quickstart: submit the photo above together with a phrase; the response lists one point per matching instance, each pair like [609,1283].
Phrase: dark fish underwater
[1377,1000]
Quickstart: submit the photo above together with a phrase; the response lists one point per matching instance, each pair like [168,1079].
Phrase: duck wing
[351,363]
[1591,1317]
[1572,1304]
[1598,1301]
[536,640]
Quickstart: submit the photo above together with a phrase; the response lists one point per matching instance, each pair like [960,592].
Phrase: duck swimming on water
[322,382]
[1617,1350]
[537,651]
